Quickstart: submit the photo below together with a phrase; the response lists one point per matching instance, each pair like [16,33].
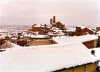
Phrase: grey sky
[69,12]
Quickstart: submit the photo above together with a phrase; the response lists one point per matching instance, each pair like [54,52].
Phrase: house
[82,30]
[90,41]
[41,42]
[56,32]
[41,29]
[1,42]
[98,42]
[38,40]
[56,24]
[35,28]
[4,40]
[48,58]
[4,32]
[22,42]
[98,28]
[59,25]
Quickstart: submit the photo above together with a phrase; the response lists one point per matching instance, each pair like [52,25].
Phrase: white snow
[44,58]
[14,45]
[3,30]
[74,39]
[70,29]
[36,36]
[98,32]
[10,45]
[82,27]
[0,37]
[14,38]
[56,34]
[39,36]
[97,53]
[37,25]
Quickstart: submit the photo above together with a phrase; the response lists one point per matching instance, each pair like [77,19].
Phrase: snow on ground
[44,58]
[74,39]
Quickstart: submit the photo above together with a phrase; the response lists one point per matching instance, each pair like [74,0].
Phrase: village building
[82,30]
[48,58]
[41,29]
[44,29]
[98,28]
[56,24]
[90,41]
[79,30]
[48,48]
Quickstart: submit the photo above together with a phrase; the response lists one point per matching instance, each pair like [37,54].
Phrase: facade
[98,28]
[90,67]
[1,42]
[59,25]
[91,43]
[56,24]
[22,42]
[48,58]
[35,29]
[41,42]
[42,29]
[83,31]
[98,41]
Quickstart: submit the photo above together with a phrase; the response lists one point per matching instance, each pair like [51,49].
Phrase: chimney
[50,21]
[54,19]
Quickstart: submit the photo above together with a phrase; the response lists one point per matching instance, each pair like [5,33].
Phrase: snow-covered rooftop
[71,29]
[98,32]
[97,53]
[3,30]
[74,39]
[36,36]
[44,58]
[37,25]
[56,34]
[82,27]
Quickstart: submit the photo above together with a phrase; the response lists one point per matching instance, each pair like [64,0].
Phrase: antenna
[83,24]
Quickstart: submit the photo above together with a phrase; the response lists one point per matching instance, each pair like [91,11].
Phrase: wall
[91,67]
[41,42]
[90,44]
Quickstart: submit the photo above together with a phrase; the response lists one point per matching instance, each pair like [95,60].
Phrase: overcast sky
[69,12]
